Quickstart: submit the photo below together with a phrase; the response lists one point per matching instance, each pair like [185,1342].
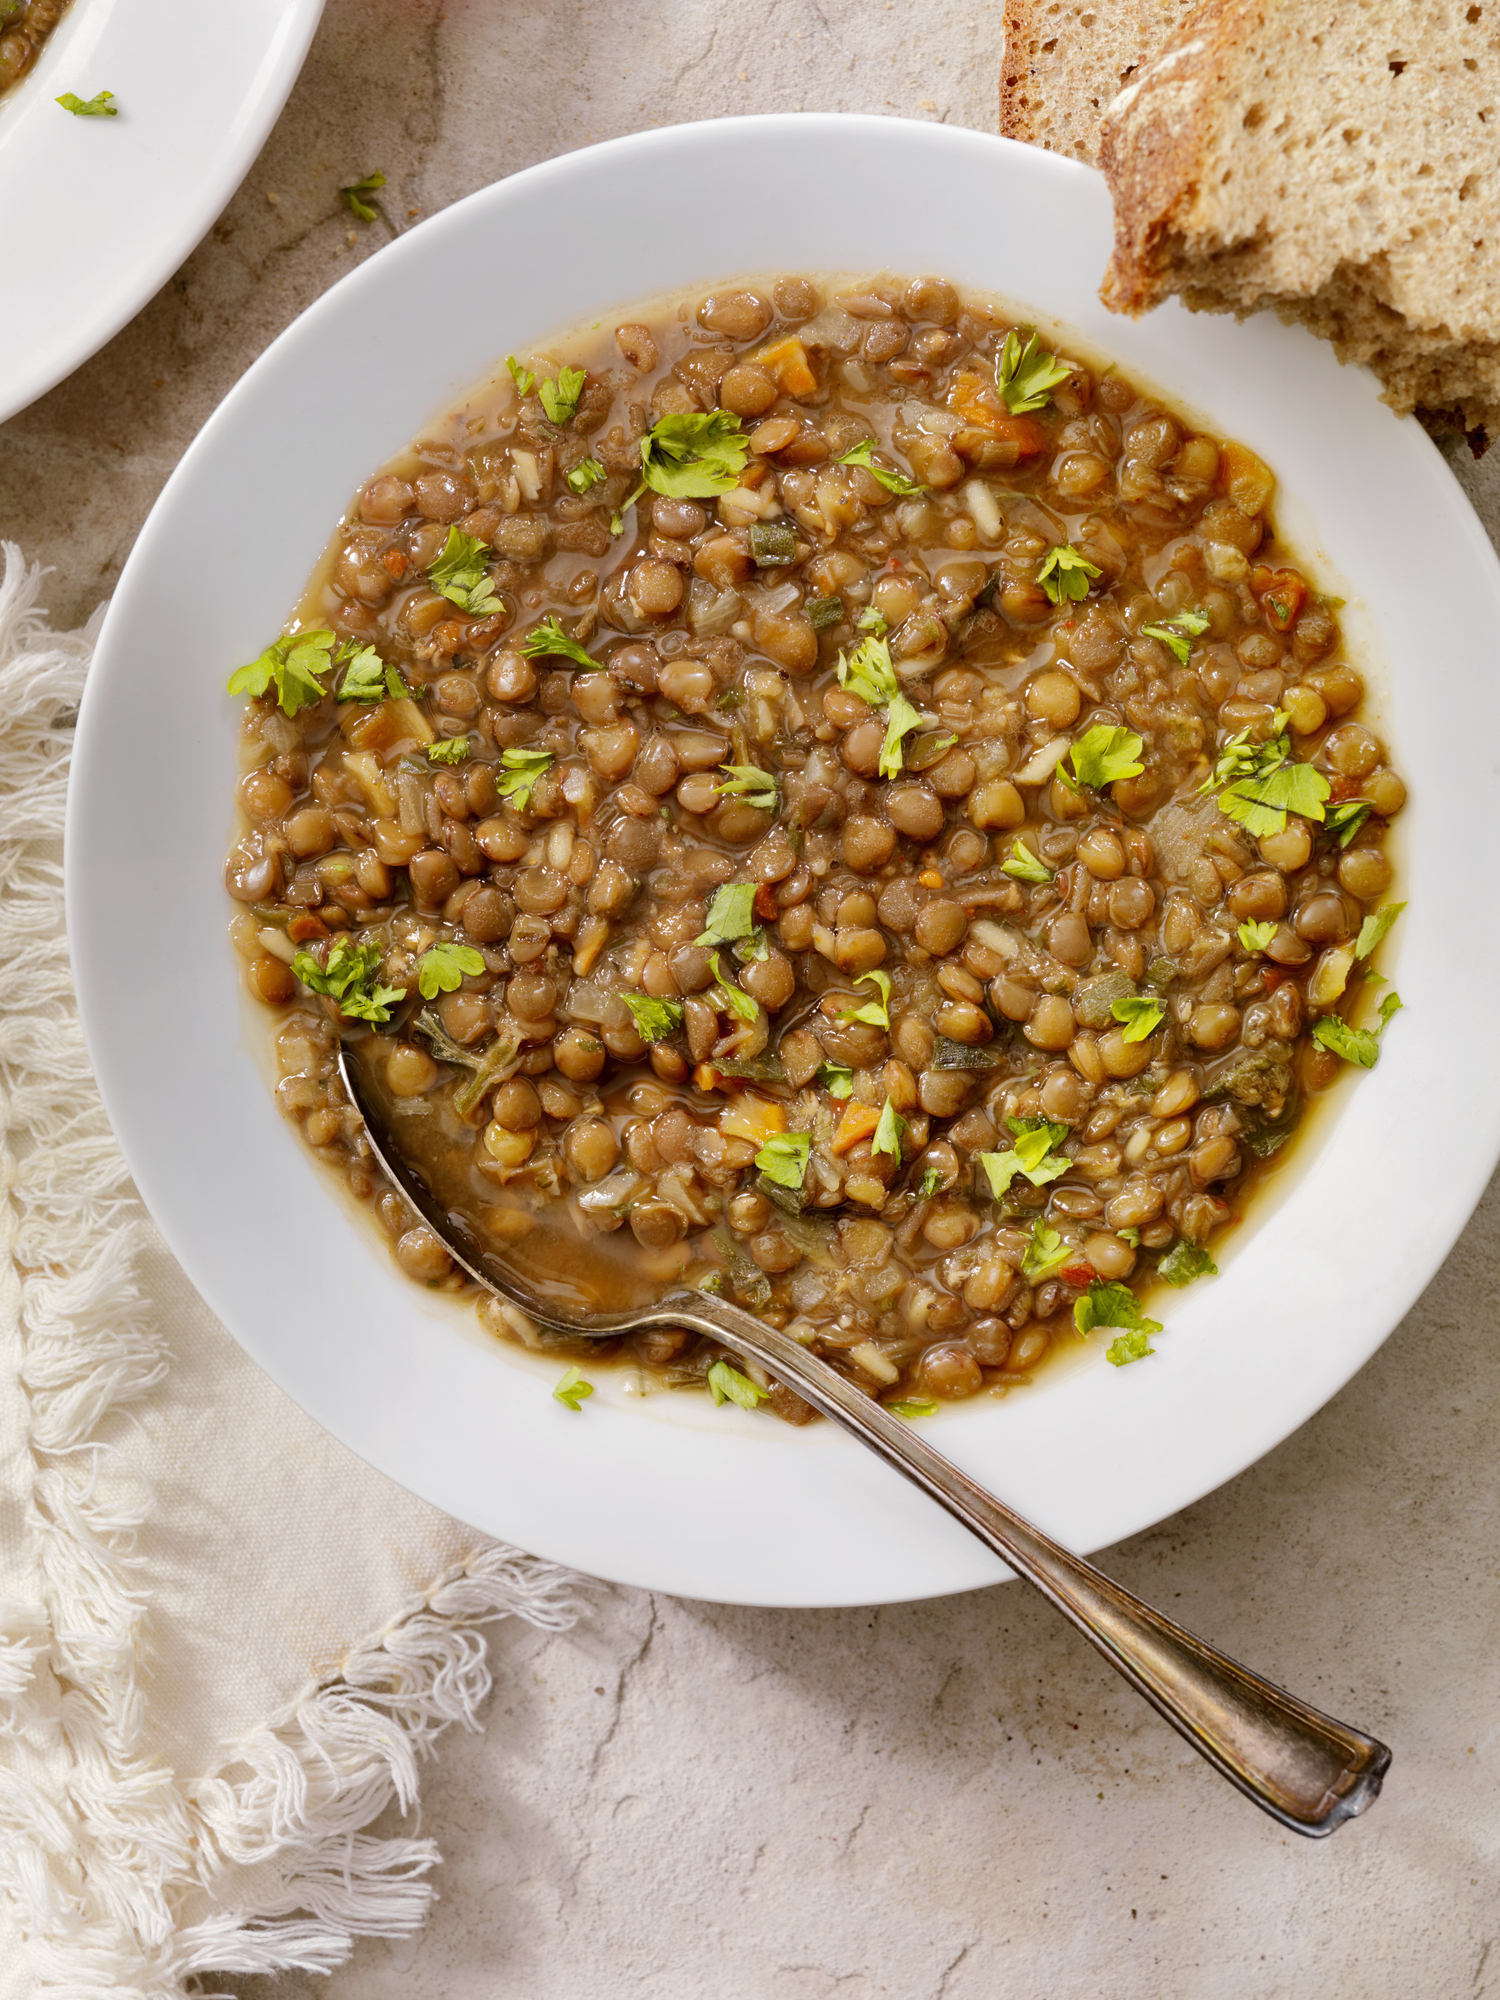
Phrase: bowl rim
[831,1528]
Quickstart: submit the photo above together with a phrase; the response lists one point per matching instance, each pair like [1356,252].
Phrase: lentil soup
[24,26]
[808,792]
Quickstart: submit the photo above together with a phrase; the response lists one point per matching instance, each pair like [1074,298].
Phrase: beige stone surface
[947,1801]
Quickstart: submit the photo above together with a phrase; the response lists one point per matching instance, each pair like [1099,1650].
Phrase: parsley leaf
[748,781]
[1026,376]
[1177,634]
[1261,804]
[1066,575]
[585,474]
[1141,1016]
[292,664]
[522,769]
[694,457]
[735,999]
[1355,1045]
[901,719]
[836,1078]
[1128,1347]
[572,1389]
[346,977]
[874,1013]
[870,620]
[1112,1305]
[889,1132]
[1184,1262]
[863,454]
[931,1181]
[1374,928]
[369,678]
[868,672]
[913,1406]
[1032,1155]
[1024,865]
[1256,937]
[560,398]
[731,914]
[459,574]
[1103,756]
[102,106]
[1131,1236]
[728,1385]
[449,750]
[549,641]
[442,966]
[523,378]
[784,1158]
[354,196]
[1346,818]
[1045,1253]
[654,1019]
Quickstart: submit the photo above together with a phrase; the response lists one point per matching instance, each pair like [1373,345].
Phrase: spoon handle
[1302,1767]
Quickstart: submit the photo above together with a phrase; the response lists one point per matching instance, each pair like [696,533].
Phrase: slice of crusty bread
[1065,60]
[1336,162]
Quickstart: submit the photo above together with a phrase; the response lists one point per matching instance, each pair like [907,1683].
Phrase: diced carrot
[754,1118]
[300,929]
[1283,594]
[1078,1274]
[786,362]
[974,398]
[395,563]
[858,1122]
[706,1077]
[930,879]
[1248,480]
[766,906]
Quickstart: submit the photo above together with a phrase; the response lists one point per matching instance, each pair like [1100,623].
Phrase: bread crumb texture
[1337,165]
[1066,59]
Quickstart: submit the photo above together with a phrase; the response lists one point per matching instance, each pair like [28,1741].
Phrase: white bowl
[672,1493]
[98,212]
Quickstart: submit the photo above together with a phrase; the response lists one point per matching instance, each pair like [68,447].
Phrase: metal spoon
[1302,1767]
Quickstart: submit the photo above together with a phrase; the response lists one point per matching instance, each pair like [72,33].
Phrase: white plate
[706,1503]
[97,213]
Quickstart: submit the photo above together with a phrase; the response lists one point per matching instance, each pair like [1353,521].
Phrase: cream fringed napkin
[224,1641]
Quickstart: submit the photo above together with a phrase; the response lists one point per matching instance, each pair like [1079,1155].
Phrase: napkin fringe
[125,1882]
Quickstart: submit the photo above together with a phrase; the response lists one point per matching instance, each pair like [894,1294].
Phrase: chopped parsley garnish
[522,769]
[1346,818]
[747,781]
[1356,1045]
[459,574]
[728,1385]
[1065,576]
[784,1158]
[931,1181]
[585,475]
[654,1019]
[836,1078]
[1132,1236]
[901,719]
[1114,1305]
[354,197]
[369,678]
[102,106]
[1374,928]
[1177,634]
[347,977]
[735,999]
[1242,758]
[889,1132]
[523,378]
[694,457]
[549,641]
[871,620]
[731,914]
[1128,1347]
[874,1013]
[1026,376]
[913,1406]
[1184,1262]
[1032,1155]
[560,398]
[442,966]
[868,673]
[292,665]
[1256,937]
[1261,804]
[1045,1253]
[1103,756]
[450,750]
[572,1389]
[863,454]
[1024,865]
[1139,1015]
